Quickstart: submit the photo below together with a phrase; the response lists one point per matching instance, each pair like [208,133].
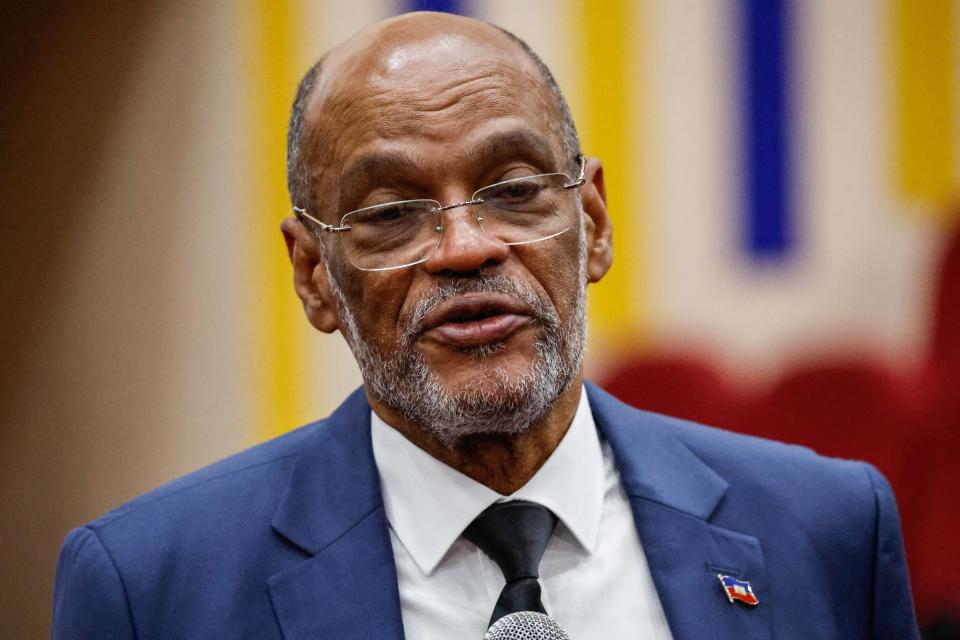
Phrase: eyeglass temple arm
[581,175]
[329,228]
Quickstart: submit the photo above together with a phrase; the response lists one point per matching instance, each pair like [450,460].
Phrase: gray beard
[497,403]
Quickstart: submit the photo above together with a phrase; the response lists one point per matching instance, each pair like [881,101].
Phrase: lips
[475,319]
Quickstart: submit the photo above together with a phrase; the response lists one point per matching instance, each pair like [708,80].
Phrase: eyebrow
[521,143]
[373,167]
[370,167]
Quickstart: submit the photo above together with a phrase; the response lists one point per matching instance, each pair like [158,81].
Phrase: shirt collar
[429,504]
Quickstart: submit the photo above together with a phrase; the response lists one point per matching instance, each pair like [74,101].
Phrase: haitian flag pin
[738,590]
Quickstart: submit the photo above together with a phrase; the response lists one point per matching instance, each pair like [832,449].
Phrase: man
[447,225]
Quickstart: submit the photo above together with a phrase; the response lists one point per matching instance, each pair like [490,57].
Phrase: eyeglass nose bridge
[456,205]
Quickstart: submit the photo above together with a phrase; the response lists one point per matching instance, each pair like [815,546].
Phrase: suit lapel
[333,511]
[673,495]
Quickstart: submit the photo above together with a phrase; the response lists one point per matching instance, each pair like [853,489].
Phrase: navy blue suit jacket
[289,540]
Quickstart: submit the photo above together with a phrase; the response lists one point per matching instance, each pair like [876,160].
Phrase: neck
[502,462]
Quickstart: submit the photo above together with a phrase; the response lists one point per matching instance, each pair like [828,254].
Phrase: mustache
[484,283]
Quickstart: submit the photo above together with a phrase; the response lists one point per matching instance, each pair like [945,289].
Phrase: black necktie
[514,535]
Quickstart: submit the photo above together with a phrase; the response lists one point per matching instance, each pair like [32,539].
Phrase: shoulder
[234,501]
[200,547]
[200,519]
[763,474]
[209,492]
[759,462]
[773,485]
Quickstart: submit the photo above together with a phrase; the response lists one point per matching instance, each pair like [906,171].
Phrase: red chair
[851,408]
[930,511]
[685,386]
[930,498]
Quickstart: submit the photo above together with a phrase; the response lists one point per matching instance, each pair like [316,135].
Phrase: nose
[464,246]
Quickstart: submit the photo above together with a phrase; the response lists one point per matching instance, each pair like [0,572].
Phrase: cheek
[555,269]
[376,298]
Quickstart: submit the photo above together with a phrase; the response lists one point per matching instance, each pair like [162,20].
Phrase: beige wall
[123,325]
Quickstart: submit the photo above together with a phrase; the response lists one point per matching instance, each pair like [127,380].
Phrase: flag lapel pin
[738,590]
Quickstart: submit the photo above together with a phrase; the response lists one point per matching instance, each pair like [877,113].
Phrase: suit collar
[337,470]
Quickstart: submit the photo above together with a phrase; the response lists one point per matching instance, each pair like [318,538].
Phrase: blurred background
[783,178]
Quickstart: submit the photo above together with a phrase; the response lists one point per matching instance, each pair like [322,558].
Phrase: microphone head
[526,625]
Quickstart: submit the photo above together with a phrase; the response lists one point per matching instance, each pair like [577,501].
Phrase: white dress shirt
[595,578]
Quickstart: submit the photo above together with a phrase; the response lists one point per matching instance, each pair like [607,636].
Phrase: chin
[488,400]
[491,384]
[505,359]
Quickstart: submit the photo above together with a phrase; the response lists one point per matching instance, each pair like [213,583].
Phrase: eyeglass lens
[397,234]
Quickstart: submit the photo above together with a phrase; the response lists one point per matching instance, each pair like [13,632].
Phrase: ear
[310,275]
[596,222]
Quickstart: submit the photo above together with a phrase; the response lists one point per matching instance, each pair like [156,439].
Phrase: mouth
[475,319]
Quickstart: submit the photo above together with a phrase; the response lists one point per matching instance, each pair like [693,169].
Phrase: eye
[385,215]
[388,214]
[392,214]
[515,191]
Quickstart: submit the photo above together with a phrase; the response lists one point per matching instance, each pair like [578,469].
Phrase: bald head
[414,63]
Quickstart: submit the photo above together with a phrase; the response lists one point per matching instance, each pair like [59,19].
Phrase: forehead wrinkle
[400,112]
[385,103]
[457,83]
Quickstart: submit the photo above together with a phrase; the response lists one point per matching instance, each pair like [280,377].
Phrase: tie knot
[514,535]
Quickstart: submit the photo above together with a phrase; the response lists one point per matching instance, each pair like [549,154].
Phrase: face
[481,337]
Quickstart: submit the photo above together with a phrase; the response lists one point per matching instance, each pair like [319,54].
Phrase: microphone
[526,625]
